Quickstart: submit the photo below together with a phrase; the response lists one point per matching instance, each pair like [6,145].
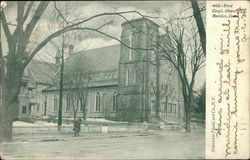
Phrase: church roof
[102,59]
[42,72]
[140,20]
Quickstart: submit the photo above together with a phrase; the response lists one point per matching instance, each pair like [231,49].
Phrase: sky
[84,9]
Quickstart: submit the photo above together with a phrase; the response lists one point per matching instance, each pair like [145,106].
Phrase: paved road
[142,145]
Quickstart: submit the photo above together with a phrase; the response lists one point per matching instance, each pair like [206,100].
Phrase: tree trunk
[187,107]
[200,24]
[157,95]
[11,91]
[188,121]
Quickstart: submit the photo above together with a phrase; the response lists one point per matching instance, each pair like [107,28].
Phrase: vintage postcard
[124,80]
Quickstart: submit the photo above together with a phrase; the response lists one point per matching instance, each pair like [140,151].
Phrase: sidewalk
[34,133]
[70,136]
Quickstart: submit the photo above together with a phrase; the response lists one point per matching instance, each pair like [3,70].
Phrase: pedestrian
[75,128]
[79,125]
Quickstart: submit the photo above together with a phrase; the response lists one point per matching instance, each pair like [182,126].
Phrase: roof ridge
[32,74]
[33,60]
[95,48]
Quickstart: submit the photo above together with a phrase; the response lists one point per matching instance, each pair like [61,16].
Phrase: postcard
[124,80]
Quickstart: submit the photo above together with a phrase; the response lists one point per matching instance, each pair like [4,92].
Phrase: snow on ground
[97,120]
[35,124]
[20,123]
[42,123]
[102,120]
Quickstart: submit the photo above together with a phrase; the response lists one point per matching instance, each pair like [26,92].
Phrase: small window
[169,108]
[38,107]
[114,102]
[135,76]
[81,102]
[45,107]
[130,45]
[97,102]
[174,108]
[24,110]
[163,107]
[127,78]
[77,104]
[152,105]
[55,103]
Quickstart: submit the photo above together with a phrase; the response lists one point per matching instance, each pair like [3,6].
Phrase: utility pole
[59,127]
[157,94]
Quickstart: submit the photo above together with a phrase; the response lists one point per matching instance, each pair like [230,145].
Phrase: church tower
[134,67]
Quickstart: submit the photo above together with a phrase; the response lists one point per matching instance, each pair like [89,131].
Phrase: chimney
[58,57]
[71,49]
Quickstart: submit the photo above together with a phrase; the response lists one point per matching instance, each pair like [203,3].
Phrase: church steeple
[58,57]
[134,68]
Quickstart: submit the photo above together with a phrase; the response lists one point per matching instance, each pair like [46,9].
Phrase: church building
[129,81]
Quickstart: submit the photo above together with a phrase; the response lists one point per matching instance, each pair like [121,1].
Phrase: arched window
[68,104]
[127,78]
[131,56]
[114,101]
[135,76]
[81,102]
[55,103]
[97,102]
[169,107]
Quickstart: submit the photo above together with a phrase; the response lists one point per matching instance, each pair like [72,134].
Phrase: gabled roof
[102,59]
[42,72]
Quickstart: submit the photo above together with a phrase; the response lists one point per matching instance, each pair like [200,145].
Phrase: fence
[69,129]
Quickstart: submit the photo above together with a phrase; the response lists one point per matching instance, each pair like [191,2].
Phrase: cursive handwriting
[219,129]
[228,32]
[227,124]
[236,31]
[213,123]
[236,138]
[236,73]
[228,70]
[220,80]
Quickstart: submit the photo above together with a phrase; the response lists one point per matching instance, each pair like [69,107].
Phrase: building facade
[129,82]
[37,76]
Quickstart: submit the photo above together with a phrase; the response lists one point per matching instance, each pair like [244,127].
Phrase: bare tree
[18,56]
[61,17]
[78,71]
[182,49]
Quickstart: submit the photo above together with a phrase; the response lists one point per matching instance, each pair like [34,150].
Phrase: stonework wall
[134,97]
[106,103]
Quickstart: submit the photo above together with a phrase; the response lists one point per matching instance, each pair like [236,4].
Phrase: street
[147,145]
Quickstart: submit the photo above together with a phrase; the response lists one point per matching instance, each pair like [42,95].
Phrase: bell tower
[134,64]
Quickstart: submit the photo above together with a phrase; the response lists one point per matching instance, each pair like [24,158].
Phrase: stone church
[127,84]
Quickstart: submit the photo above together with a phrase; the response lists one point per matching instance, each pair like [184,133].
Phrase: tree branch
[38,13]
[6,27]
[2,65]
[72,27]
[20,11]
[26,14]
[60,14]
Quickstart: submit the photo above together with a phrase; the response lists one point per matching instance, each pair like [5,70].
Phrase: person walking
[77,127]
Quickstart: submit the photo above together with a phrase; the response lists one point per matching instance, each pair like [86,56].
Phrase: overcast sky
[84,9]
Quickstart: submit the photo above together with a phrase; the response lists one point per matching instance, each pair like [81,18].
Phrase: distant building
[37,76]
[124,81]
